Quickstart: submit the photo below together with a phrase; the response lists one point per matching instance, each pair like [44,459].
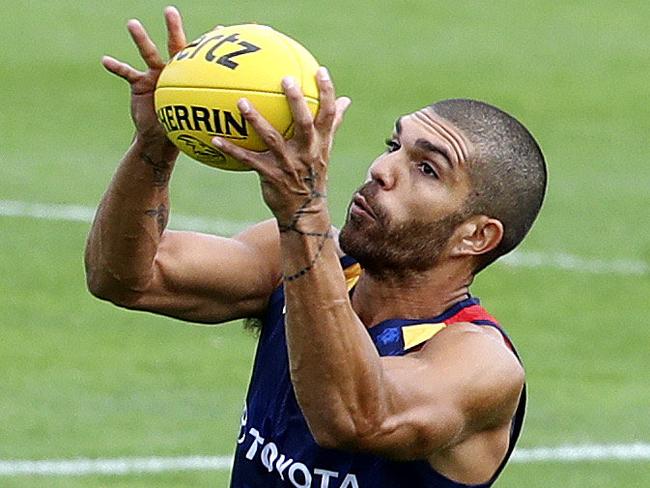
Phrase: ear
[477,235]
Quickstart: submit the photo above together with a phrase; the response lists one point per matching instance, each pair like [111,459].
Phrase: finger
[302,118]
[327,108]
[271,137]
[342,105]
[251,159]
[121,69]
[147,48]
[175,34]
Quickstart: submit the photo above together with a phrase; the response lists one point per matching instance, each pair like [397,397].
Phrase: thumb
[342,105]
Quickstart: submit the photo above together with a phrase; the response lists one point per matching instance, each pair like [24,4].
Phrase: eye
[392,145]
[427,169]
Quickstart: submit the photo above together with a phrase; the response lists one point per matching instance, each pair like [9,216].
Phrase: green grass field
[81,378]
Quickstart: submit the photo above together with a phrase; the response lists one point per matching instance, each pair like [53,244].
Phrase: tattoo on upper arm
[160,214]
[161,170]
[303,210]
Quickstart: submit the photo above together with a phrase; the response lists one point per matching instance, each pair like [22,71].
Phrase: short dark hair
[508,171]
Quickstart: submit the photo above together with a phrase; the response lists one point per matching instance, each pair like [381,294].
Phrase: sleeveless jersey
[275,447]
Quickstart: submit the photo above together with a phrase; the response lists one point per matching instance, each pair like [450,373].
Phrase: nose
[384,172]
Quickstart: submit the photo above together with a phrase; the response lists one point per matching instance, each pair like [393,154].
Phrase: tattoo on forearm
[160,214]
[161,170]
[292,226]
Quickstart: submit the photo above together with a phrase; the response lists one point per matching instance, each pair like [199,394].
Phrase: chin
[364,242]
[395,249]
[356,231]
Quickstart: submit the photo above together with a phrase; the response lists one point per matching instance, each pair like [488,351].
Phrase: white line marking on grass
[78,213]
[569,262]
[122,466]
[589,452]
[518,259]
[76,467]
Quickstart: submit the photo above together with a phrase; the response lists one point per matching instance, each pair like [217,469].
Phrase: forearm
[335,367]
[130,220]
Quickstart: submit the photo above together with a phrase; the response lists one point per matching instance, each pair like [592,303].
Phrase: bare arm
[132,260]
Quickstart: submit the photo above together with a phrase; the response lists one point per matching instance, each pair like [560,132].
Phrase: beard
[386,249]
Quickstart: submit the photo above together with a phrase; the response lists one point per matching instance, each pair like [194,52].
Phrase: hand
[143,83]
[293,173]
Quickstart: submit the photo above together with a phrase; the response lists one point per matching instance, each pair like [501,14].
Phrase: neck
[421,295]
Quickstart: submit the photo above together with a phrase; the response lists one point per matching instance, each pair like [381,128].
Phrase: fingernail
[217,142]
[243,105]
[288,82]
[324,73]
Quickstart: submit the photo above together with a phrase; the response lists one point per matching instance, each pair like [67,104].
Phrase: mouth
[360,207]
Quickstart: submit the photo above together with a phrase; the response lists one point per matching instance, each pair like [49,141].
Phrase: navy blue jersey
[275,447]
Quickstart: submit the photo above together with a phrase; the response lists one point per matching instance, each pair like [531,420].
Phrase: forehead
[426,124]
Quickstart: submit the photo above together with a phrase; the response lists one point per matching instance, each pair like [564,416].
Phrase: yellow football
[197,92]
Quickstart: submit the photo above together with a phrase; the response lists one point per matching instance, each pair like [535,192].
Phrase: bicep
[458,385]
[211,279]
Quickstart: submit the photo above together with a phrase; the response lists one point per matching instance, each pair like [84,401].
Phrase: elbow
[121,280]
[347,434]
[96,285]
[105,287]
[380,437]
[117,296]
[336,438]
[100,288]
[106,291]
[345,425]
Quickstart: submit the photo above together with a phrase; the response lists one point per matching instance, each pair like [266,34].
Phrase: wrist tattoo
[324,237]
[311,179]
[292,226]
[161,170]
[160,214]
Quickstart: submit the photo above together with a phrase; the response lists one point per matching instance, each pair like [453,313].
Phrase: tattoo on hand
[161,170]
[160,214]
[314,194]
[292,226]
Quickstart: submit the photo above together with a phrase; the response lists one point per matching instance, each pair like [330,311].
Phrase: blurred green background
[81,378]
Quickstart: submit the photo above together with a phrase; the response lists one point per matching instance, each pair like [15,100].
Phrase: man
[375,367]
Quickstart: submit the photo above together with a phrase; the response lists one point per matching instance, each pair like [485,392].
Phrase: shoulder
[490,377]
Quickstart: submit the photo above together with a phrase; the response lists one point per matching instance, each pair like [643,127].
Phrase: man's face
[403,217]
